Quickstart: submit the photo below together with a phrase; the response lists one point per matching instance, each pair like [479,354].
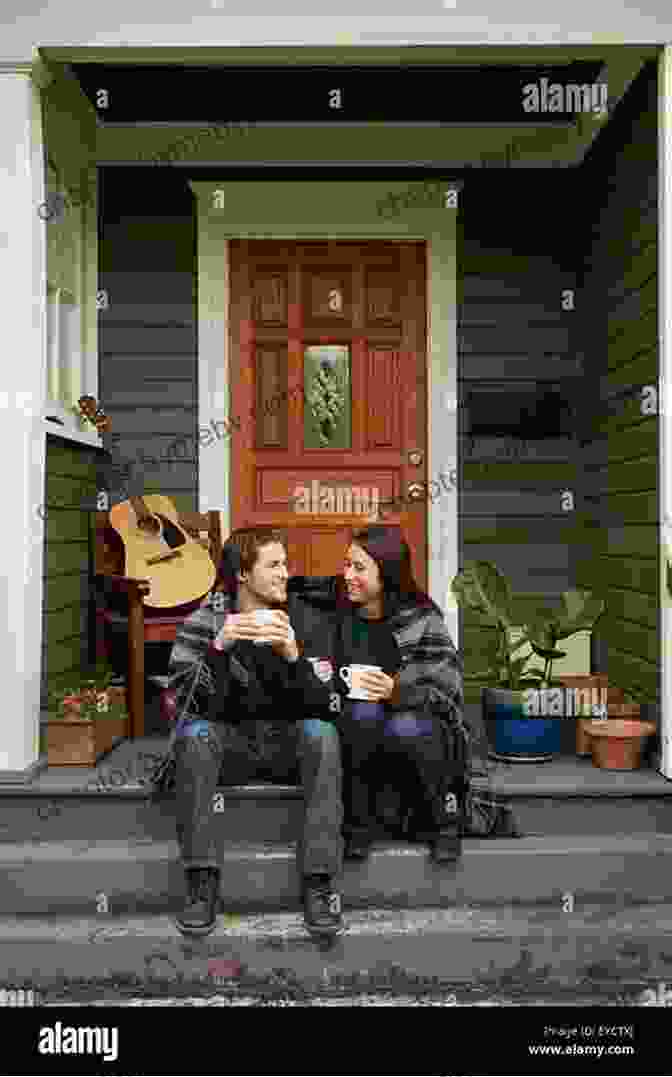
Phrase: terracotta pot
[617,743]
[616,708]
[594,685]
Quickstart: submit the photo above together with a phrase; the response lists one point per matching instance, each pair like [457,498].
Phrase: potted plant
[618,743]
[520,736]
[87,715]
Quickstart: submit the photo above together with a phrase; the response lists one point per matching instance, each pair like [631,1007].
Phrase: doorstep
[565,776]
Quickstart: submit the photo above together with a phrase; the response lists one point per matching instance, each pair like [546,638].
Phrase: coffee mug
[262,617]
[352,675]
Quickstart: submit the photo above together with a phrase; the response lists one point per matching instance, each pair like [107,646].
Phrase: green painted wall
[70,480]
[618,300]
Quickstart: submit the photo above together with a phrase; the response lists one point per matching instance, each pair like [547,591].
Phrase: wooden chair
[120,601]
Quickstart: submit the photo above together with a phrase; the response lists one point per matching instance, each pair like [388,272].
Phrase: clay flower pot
[590,688]
[76,739]
[617,743]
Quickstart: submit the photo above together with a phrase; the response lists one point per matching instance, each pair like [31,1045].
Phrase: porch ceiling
[434,143]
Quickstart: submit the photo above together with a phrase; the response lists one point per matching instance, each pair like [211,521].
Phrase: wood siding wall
[515,343]
[148,335]
[618,304]
[70,489]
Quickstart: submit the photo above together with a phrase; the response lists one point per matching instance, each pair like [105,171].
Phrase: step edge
[655,843]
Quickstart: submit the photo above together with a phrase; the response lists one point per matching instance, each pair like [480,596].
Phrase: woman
[410,732]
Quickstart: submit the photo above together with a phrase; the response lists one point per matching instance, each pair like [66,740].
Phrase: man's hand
[377,685]
[236,626]
[279,634]
[277,631]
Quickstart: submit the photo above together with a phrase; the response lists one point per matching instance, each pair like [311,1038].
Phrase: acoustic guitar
[157,549]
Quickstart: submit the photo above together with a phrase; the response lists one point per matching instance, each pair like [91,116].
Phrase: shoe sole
[324,932]
[198,932]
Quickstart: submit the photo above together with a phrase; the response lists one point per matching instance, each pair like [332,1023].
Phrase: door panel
[329,363]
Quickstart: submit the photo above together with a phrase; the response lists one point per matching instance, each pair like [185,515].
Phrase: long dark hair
[386,544]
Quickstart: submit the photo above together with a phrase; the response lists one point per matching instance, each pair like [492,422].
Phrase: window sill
[80,437]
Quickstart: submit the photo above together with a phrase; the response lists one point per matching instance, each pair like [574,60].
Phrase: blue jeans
[208,753]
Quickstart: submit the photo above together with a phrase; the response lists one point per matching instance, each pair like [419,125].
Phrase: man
[237,684]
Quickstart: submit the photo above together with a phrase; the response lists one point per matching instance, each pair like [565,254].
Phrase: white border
[665,395]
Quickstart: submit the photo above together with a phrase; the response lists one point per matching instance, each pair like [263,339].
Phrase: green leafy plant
[85,696]
[483,588]
[327,400]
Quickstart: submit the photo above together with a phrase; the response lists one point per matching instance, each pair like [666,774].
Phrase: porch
[509,308]
[586,833]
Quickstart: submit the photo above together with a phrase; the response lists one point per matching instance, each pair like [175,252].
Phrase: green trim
[297,55]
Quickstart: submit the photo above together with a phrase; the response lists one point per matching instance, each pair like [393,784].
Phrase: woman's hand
[377,685]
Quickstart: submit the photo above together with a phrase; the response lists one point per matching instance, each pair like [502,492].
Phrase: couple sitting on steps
[282,712]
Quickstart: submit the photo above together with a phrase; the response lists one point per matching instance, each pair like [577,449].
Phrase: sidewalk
[593,955]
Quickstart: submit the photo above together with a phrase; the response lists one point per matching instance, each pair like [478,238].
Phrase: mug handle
[345,673]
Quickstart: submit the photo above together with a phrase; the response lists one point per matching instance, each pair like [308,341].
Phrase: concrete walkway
[595,954]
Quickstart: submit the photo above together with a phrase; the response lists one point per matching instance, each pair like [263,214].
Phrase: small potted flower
[87,717]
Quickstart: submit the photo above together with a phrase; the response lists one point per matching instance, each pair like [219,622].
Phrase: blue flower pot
[519,739]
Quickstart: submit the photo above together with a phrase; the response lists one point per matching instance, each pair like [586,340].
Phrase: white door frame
[334,210]
[665,396]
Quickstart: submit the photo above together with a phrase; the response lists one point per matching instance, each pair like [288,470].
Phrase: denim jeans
[208,753]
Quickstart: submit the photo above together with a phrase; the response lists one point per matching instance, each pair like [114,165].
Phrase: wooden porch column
[665,393]
[22,429]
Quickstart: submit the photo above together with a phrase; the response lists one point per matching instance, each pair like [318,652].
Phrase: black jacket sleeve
[311,697]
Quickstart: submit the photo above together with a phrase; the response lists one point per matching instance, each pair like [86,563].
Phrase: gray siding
[515,344]
[618,299]
[147,338]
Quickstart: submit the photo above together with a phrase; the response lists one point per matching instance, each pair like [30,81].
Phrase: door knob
[415,491]
[415,458]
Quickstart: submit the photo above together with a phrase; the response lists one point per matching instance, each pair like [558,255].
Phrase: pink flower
[223,969]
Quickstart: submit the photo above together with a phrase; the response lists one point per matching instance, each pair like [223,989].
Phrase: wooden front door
[328,378]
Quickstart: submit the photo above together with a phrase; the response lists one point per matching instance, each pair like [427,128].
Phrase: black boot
[199,916]
[321,907]
[357,846]
[445,843]
[446,846]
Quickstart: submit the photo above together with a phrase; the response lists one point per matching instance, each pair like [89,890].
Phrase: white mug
[352,675]
[262,617]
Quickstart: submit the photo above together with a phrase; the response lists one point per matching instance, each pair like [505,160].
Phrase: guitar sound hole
[170,533]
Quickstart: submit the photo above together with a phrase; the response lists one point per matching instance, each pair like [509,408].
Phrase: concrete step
[565,796]
[274,813]
[144,875]
[602,952]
